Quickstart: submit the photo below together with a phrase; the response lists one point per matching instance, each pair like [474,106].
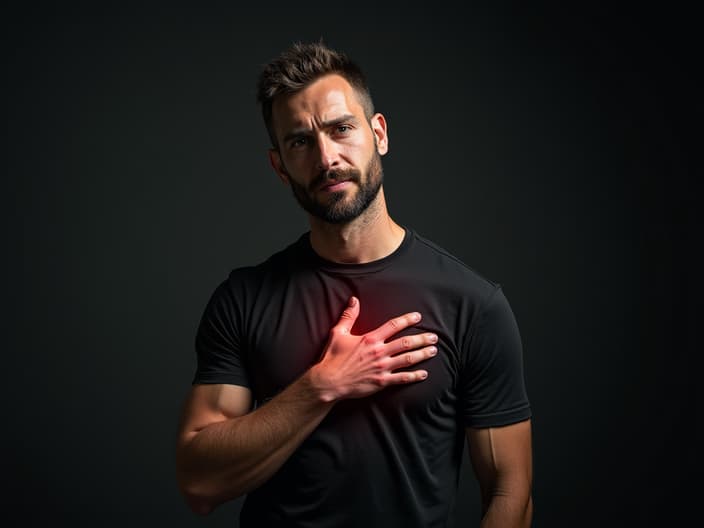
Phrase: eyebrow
[298,132]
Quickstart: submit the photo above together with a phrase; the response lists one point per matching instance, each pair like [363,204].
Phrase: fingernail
[433,351]
[353,301]
[416,316]
[423,375]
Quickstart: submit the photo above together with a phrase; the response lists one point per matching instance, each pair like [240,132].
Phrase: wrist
[321,387]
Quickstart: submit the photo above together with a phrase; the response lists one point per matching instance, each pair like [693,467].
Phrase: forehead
[323,100]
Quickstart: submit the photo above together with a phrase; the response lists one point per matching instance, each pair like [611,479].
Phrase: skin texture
[330,155]
[324,128]
[502,462]
[224,451]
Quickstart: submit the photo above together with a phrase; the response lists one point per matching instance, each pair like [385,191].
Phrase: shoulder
[445,268]
[233,295]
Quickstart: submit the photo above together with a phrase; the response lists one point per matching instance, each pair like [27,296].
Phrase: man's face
[328,151]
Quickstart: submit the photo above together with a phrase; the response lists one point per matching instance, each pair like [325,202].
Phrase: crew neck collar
[355,269]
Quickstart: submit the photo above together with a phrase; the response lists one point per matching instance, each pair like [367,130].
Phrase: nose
[327,153]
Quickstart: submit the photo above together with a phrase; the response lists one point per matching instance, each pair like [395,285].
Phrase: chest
[292,315]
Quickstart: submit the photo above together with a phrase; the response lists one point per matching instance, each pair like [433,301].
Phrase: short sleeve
[492,386]
[218,343]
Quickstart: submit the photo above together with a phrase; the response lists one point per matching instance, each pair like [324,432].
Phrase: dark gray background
[552,150]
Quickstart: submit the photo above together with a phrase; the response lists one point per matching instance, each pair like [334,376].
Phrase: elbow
[198,505]
[203,496]
[199,502]
[204,490]
[502,509]
[524,508]
[194,491]
[528,512]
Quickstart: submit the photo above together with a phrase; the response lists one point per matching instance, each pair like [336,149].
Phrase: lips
[327,181]
[333,186]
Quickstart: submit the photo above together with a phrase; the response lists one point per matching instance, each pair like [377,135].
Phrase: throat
[358,242]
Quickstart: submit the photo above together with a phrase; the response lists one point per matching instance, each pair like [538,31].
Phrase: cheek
[359,150]
[297,163]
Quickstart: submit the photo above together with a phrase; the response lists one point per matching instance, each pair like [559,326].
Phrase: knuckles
[378,380]
[375,353]
[368,341]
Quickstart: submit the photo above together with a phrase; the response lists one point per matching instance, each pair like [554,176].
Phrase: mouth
[335,186]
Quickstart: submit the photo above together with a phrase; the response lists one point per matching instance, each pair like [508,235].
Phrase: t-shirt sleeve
[493,389]
[218,345]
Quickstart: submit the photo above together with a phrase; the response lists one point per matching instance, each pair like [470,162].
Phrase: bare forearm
[227,459]
[508,512]
[225,451]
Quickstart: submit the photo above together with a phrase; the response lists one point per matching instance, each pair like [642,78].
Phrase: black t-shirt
[393,458]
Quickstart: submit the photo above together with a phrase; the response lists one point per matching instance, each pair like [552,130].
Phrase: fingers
[399,378]
[349,316]
[394,326]
[411,358]
[410,342]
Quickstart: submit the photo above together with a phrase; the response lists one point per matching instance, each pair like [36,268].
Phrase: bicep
[502,459]
[212,403]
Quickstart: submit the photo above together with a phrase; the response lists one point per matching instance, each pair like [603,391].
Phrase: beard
[337,208]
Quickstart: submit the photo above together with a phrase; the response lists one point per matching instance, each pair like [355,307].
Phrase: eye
[298,142]
[343,129]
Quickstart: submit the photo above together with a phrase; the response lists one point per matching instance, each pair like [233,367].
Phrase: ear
[378,123]
[278,165]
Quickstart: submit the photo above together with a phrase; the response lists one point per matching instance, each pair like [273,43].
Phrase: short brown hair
[299,66]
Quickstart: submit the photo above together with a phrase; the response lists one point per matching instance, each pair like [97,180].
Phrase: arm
[224,451]
[502,462]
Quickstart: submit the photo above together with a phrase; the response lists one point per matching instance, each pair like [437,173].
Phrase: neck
[371,236]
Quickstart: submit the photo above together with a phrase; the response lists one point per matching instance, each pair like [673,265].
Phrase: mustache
[334,176]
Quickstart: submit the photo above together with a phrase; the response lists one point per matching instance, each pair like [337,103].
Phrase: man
[338,380]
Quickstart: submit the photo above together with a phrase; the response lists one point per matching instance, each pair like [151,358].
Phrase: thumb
[349,316]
